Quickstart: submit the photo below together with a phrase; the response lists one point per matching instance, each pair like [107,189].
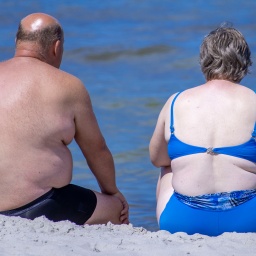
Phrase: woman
[204,142]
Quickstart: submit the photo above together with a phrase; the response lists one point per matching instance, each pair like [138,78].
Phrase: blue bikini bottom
[210,214]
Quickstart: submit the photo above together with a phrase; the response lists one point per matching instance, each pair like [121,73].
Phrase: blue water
[132,55]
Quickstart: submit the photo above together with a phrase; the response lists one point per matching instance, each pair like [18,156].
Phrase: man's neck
[23,51]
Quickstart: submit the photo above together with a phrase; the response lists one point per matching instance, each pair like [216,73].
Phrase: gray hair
[44,37]
[224,54]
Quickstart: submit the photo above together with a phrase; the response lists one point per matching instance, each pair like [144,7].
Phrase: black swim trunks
[71,202]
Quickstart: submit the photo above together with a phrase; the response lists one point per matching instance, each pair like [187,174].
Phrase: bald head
[38,21]
[40,29]
[41,36]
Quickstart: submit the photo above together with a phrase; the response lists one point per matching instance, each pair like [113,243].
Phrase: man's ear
[56,53]
[57,49]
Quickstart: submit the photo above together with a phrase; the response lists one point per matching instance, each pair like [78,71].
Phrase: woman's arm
[158,144]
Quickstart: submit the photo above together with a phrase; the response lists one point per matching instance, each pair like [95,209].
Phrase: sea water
[132,55]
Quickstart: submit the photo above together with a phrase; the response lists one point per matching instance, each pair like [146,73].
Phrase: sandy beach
[43,237]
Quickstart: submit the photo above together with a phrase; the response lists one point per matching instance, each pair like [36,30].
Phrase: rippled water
[131,55]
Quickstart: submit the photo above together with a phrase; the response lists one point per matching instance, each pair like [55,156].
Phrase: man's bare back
[36,125]
[42,109]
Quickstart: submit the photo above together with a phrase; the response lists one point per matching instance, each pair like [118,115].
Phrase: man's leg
[108,208]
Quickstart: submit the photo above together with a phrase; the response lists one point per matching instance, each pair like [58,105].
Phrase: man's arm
[93,146]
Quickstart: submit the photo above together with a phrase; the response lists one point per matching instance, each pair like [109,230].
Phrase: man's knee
[108,209]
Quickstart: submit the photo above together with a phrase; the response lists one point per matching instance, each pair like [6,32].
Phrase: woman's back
[215,115]
[204,141]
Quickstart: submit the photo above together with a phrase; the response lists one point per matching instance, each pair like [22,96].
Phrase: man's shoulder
[70,82]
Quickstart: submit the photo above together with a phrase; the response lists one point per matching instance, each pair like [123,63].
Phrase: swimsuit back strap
[171,117]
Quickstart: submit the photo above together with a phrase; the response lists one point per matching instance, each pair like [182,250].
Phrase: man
[42,109]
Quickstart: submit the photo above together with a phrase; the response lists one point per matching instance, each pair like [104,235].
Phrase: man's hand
[124,218]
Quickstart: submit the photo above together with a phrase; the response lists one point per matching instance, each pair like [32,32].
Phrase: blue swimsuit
[177,148]
[210,214]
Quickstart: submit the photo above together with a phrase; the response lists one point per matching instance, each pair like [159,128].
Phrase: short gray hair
[44,37]
[224,54]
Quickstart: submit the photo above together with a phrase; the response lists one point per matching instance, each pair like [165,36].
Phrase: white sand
[42,237]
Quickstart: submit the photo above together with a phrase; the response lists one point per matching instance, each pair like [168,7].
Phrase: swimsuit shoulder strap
[171,117]
[254,130]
